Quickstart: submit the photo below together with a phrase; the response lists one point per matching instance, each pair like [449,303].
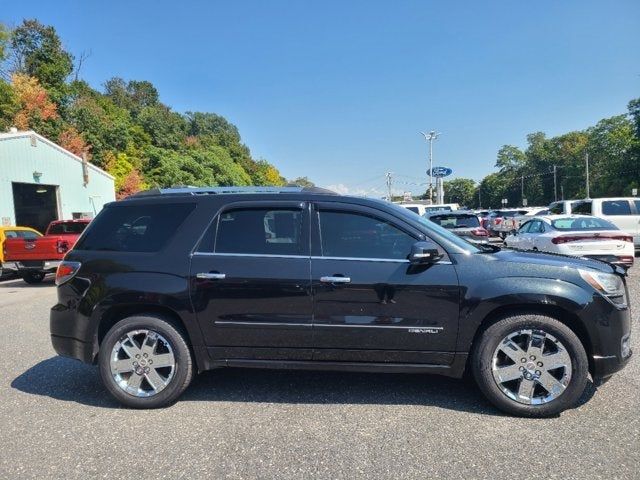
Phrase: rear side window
[261,231]
[135,228]
[616,207]
[67,228]
[583,208]
[556,208]
[28,234]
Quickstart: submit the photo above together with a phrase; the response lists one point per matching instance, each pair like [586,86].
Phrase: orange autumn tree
[35,106]
[70,139]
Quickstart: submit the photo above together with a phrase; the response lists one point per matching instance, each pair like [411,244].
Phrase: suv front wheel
[530,365]
[145,362]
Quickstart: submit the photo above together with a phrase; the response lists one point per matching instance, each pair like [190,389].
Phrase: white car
[575,235]
[422,208]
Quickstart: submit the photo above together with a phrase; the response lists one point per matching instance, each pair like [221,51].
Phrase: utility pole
[555,184]
[430,137]
[522,190]
[480,195]
[389,180]
[586,160]
[561,192]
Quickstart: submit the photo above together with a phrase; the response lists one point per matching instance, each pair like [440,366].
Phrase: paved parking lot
[57,421]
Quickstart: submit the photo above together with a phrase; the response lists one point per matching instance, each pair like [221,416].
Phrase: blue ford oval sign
[441,172]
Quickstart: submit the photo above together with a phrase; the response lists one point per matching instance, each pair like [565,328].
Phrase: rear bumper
[73,348]
[47,266]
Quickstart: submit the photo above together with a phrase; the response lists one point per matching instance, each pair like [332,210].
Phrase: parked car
[497,217]
[581,235]
[422,208]
[32,257]
[172,282]
[622,212]
[512,224]
[561,207]
[463,223]
[14,232]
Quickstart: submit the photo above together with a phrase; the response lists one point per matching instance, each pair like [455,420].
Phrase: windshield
[456,221]
[587,223]
[428,225]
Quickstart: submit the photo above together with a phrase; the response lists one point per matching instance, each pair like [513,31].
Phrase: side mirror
[424,253]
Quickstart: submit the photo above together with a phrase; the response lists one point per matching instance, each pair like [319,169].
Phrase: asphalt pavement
[57,421]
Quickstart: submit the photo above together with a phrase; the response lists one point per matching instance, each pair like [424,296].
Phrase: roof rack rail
[189,190]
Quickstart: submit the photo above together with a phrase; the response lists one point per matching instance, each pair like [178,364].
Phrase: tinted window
[261,231]
[134,228]
[456,221]
[583,208]
[413,209]
[361,236]
[556,208]
[435,209]
[587,223]
[21,234]
[67,228]
[637,202]
[536,227]
[616,207]
[525,228]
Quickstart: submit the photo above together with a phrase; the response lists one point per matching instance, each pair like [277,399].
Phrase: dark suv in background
[171,282]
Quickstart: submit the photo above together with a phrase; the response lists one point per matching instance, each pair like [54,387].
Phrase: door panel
[370,303]
[252,293]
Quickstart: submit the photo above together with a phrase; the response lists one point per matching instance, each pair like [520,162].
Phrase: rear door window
[134,228]
[262,231]
[616,207]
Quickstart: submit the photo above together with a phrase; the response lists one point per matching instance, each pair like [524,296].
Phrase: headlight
[608,284]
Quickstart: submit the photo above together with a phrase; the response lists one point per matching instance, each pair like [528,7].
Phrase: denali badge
[426,330]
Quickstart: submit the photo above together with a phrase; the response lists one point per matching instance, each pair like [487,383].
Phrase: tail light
[576,238]
[497,221]
[480,232]
[62,246]
[66,271]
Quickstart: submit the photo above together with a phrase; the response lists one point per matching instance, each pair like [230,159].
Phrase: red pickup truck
[33,258]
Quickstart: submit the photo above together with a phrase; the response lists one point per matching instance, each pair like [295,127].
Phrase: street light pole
[586,159]
[430,137]
[555,187]
[388,175]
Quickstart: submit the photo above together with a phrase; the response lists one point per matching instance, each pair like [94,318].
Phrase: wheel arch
[113,315]
[568,318]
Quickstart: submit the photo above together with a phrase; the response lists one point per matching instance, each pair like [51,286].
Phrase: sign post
[439,173]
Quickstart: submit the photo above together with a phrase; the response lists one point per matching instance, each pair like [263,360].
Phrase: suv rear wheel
[145,362]
[530,365]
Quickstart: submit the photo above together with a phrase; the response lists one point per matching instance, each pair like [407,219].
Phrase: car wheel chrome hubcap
[531,367]
[142,363]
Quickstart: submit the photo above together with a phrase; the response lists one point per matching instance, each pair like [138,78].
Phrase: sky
[339,91]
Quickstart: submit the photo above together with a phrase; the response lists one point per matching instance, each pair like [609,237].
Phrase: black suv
[171,282]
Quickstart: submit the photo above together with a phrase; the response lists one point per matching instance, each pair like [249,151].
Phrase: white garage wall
[19,159]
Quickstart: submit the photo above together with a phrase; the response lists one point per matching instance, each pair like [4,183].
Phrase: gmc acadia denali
[171,282]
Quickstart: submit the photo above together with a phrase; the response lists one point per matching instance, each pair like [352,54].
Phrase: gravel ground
[57,421]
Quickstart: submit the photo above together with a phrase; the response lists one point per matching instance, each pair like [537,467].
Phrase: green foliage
[39,53]
[127,130]
[459,190]
[302,182]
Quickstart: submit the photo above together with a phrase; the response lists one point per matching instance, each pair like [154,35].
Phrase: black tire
[33,277]
[482,363]
[182,375]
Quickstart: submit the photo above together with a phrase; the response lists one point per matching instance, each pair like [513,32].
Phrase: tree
[460,190]
[302,182]
[510,159]
[70,139]
[34,106]
[38,53]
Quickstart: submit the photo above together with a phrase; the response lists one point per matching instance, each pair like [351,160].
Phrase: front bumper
[48,266]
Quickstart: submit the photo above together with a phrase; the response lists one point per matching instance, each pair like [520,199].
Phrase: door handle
[211,276]
[335,279]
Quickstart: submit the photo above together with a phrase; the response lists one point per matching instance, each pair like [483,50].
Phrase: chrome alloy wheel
[531,367]
[142,363]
